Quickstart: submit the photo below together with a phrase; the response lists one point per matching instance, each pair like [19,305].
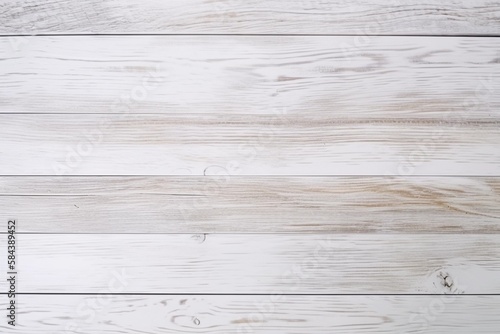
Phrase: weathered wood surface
[259,263]
[244,145]
[268,127]
[256,314]
[330,76]
[366,17]
[221,203]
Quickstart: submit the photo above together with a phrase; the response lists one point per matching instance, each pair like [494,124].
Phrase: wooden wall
[299,166]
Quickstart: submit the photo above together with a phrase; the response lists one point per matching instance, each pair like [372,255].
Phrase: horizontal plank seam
[267,35]
[246,294]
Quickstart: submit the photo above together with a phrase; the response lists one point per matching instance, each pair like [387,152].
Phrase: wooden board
[256,314]
[244,145]
[366,17]
[221,203]
[448,79]
[244,166]
[259,263]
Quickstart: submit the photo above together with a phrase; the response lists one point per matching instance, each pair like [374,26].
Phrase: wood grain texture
[256,314]
[234,204]
[384,77]
[244,145]
[259,263]
[413,17]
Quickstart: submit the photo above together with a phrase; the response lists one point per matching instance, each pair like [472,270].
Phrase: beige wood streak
[244,145]
[256,314]
[365,17]
[259,263]
[222,203]
[454,78]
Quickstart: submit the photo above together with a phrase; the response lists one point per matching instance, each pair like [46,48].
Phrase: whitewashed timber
[259,314]
[365,17]
[221,203]
[261,263]
[387,78]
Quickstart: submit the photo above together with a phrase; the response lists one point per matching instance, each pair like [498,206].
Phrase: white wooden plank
[259,263]
[447,17]
[386,78]
[234,204]
[245,145]
[255,314]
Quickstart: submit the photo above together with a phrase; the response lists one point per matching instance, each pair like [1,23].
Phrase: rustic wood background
[250,166]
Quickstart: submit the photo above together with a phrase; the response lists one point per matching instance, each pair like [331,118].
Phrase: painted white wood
[238,113]
[259,263]
[446,17]
[236,204]
[430,78]
[244,145]
[256,314]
